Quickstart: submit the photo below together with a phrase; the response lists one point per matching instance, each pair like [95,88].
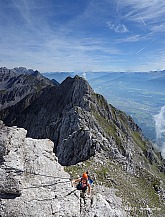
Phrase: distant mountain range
[17,83]
[150,76]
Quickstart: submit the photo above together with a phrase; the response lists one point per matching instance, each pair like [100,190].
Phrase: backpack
[82,186]
[90,181]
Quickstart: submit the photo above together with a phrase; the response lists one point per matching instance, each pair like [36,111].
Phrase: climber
[83,184]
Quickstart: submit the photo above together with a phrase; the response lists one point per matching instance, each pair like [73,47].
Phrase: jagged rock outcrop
[17,83]
[33,183]
[81,123]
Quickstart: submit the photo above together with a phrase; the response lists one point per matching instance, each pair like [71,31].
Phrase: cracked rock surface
[33,183]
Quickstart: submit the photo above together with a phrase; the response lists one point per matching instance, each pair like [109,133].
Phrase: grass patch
[138,140]
[108,127]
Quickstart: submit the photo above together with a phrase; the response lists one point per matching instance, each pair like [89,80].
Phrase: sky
[83,35]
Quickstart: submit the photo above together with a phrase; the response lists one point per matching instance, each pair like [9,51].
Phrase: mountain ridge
[90,134]
[141,95]
[76,105]
[17,83]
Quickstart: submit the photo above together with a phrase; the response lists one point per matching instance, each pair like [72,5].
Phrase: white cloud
[117,27]
[129,39]
[148,13]
[160,129]
[158,28]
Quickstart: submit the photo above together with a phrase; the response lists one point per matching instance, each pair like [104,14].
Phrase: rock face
[17,83]
[81,123]
[33,183]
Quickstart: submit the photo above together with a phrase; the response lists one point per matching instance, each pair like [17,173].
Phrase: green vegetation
[108,127]
[138,140]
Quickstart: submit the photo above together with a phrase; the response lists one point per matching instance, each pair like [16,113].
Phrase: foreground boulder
[33,183]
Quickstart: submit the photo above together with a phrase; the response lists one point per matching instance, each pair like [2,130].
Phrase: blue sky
[83,35]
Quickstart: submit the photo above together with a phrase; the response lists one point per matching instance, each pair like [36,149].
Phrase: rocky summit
[90,134]
[81,123]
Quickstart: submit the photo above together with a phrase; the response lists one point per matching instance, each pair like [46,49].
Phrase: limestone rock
[33,183]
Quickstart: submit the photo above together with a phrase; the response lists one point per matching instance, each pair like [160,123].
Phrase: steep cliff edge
[33,183]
